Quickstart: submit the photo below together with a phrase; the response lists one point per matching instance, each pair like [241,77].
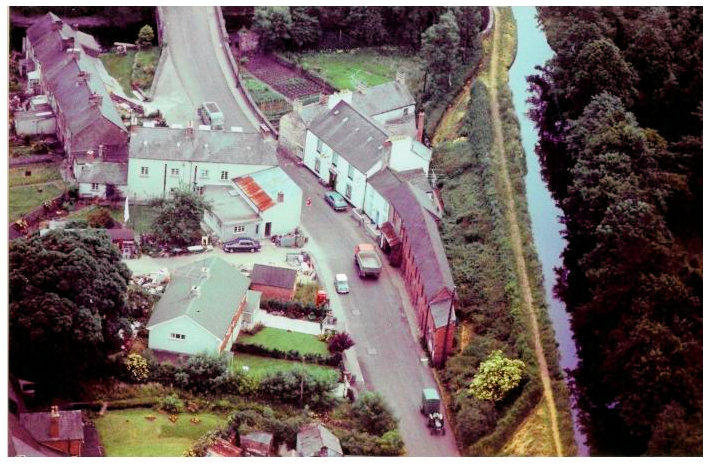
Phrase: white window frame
[348,191]
[95,187]
[239,229]
[350,172]
[177,336]
[224,175]
[319,145]
[144,171]
[174,172]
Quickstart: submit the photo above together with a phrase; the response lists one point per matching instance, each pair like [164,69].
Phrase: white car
[341,284]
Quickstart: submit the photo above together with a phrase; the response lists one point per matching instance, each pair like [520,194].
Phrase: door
[333,179]
[267,231]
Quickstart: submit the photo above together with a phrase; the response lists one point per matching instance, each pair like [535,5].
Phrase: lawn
[82,214]
[146,62]
[371,66]
[25,199]
[260,366]
[278,339]
[126,433]
[141,217]
[40,173]
[120,67]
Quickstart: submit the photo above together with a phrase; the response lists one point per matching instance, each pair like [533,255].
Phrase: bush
[373,414]
[474,420]
[340,342]
[255,329]
[100,218]
[138,368]
[203,374]
[39,147]
[358,443]
[171,404]
[293,309]
[73,192]
[77,224]
[285,386]
[134,403]
[257,349]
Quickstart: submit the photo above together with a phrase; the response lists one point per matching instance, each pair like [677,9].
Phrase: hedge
[256,349]
[294,309]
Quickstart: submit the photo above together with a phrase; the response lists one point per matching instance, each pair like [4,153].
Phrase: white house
[202,309]
[164,158]
[94,177]
[344,147]
[257,205]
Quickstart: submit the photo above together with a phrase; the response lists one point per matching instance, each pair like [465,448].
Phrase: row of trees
[619,115]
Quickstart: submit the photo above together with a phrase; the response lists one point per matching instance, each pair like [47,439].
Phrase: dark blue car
[335,200]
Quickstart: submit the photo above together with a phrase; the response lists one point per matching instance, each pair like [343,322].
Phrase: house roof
[273,276]
[257,441]
[220,292]
[253,300]
[426,246]
[263,187]
[71,425]
[439,313]
[254,192]
[387,181]
[115,173]
[356,137]
[383,98]
[229,147]
[120,234]
[228,205]
[21,442]
[313,437]
[223,448]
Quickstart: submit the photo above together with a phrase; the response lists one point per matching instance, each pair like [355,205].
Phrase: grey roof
[230,147]
[71,425]
[220,293]
[115,173]
[90,124]
[258,442]
[356,137]
[313,437]
[402,126]
[311,111]
[274,276]
[253,300]
[21,442]
[121,234]
[426,245]
[383,98]
[228,205]
[439,313]
[387,181]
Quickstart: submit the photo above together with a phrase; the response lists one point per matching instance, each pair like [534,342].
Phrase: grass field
[25,199]
[83,214]
[40,173]
[279,339]
[371,66]
[146,62]
[120,67]
[126,433]
[260,366]
[141,217]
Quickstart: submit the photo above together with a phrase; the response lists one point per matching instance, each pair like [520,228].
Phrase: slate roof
[426,245]
[312,438]
[383,98]
[71,425]
[387,181]
[21,442]
[220,294]
[229,147]
[357,137]
[115,173]
[61,69]
[228,207]
[439,313]
[273,276]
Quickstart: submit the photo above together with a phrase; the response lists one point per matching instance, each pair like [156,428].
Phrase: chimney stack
[95,99]
[57,25]
[90,156]
[323,99]
[189,131]
[401,76]
[280,197]
[297,106]
[361,88]
[419,126]
[100,152]
[54,422]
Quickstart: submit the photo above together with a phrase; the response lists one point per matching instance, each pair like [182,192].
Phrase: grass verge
[127,433]
[279,339]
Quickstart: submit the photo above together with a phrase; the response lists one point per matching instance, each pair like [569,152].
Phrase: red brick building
[425,268]
[274,282]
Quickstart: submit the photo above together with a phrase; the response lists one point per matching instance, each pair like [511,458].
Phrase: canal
[533,50]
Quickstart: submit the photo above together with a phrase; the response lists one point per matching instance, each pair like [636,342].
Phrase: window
[177,336]
[335,158]
[144,171]
[204,174]
[350,173]
[319,145]
[348,191]
[239,228]
[317,165]
[224,175]
[174,172]
[94,187]
[406,111]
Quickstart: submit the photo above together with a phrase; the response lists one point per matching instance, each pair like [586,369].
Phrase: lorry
[431,408]
[367,260]
[212,115]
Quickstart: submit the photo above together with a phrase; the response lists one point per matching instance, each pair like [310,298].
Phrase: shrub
[73,192]
[286,386]
[171,404]
[340,342]
[257,349]
[373,414]
[358,443]
[474,420]
[39,147]
[77,224]
[496,377]
[100,218]
[137,367]
[294,309]
[255,329]
[202,374]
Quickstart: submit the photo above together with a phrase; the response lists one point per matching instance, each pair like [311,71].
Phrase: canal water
[532,50]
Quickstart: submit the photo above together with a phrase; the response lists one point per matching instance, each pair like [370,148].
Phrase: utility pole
[448,323]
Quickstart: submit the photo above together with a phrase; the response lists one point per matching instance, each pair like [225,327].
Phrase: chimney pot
[54,422]
[280,197]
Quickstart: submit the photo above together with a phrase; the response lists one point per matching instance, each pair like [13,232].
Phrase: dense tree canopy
[496,377]
[436,45]
[619,114]
[273,25]
[178,222]
[67,305]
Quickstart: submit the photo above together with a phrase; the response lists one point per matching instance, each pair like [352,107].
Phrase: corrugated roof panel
[255,193]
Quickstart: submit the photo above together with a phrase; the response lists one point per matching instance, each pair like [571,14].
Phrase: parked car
[241,244]
[341,283]
[335,200]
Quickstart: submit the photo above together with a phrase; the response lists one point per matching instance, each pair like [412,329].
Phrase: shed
[315,440]
[223,448]
[257,444]
[124,239]
[274,281]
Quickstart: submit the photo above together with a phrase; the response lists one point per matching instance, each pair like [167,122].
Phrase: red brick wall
[269,291]
[234,320]
[73,447]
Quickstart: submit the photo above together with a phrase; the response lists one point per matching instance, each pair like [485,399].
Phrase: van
[212,115]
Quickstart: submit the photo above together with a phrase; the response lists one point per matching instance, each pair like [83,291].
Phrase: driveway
[196,69]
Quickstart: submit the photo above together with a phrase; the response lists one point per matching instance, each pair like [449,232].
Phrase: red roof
[251,189]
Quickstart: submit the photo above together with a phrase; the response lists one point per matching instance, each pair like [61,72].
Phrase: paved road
[376,314]
[197,69]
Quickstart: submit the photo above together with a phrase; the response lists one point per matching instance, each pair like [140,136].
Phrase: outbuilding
[274,282]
